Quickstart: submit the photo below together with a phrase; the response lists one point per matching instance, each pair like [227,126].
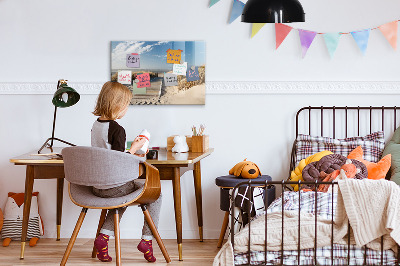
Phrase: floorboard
[50,252]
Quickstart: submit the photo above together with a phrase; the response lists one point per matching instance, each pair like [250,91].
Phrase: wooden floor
[50,252]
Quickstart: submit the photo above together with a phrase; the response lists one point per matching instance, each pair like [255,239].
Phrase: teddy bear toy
[245,169]
[13,215]
[180,144]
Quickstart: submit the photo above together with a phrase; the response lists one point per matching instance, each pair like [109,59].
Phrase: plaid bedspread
[307,202]
[324,257]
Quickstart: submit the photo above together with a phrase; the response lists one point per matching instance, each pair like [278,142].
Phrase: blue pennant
[237,9]
[361,38]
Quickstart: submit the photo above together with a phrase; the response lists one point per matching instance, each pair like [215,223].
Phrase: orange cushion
[375,170]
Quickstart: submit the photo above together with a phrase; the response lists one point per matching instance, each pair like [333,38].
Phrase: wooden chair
[85,167]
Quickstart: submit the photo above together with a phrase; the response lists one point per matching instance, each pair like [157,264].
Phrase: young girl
[112,104]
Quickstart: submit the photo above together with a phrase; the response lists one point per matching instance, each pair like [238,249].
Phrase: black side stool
[226,183]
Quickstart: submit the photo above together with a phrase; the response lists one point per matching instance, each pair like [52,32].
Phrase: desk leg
[176,182]
[60,190]
[199,204]
[27,206]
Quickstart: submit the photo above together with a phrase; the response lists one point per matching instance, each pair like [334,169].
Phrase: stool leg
[223,229]
[101,222]
[117,239]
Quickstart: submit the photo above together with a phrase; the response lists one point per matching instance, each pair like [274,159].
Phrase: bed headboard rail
[346,120]
[343,122]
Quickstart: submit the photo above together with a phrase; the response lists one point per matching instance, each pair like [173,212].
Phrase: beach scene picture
[161,72]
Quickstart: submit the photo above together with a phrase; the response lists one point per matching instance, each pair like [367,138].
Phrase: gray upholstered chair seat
[83,196]
[85,167]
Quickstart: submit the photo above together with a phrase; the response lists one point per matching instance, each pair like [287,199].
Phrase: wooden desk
[40,167]
[171,167]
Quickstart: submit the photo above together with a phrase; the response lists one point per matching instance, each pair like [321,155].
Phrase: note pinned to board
[174,56]
[125,77]
[170,79]
[136,90]
[180,69]
[192,74]
[144,80]
[133,60]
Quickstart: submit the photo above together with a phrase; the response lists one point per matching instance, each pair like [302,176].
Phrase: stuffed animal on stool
[245,169]
[13,215]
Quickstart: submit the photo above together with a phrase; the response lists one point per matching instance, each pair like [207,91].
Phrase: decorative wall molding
[304,87]
[233,87]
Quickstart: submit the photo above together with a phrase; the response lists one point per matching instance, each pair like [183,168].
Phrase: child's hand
[137,144]
[143,155]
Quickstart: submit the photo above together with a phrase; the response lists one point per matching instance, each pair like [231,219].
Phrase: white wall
[43,41]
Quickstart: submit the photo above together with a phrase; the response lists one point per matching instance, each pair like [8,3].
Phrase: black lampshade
[65,96]
[273,11]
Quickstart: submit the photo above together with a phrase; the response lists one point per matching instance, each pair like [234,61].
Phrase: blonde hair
[112,99]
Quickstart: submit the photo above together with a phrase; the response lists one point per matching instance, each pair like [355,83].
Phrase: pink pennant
[389,30]
[306,39]
[281,31]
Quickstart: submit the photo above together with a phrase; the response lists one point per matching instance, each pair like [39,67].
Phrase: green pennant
[332,41]
[213,2]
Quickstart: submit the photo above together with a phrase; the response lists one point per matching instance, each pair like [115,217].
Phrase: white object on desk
[144,134]
[180,144]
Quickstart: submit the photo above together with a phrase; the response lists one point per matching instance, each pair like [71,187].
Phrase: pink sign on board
[144,80]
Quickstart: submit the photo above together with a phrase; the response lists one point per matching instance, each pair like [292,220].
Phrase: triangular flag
[390,32]
[332,41]
[237,9]
[306,39]
[361,37]
[255,28]
[281,31]
[213,2]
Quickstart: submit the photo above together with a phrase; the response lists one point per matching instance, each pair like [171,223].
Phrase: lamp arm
[54,119]
[54,126]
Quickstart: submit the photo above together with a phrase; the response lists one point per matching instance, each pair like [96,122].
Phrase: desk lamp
[273,11]
[64,96]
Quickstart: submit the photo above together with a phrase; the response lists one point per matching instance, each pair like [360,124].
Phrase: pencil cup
[200,143]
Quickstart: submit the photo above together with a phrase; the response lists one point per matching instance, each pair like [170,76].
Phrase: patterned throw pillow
[372,145]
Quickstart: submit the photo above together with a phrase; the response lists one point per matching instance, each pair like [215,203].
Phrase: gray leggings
[154,208]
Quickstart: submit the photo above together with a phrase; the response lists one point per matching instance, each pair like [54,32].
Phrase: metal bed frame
[283,184]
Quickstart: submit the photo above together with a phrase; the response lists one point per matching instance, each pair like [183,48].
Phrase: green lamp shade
[65,96]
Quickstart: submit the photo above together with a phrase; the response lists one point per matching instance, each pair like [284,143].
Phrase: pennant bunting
[256,27]
[237,9]
[306,39]
[213,2]
[281,31]
[361,37]
[332,41]
[389,30]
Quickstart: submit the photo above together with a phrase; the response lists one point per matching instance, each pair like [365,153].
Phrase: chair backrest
[92,166]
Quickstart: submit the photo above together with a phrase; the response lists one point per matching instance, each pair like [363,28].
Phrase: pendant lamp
[64,96]
[273,11]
